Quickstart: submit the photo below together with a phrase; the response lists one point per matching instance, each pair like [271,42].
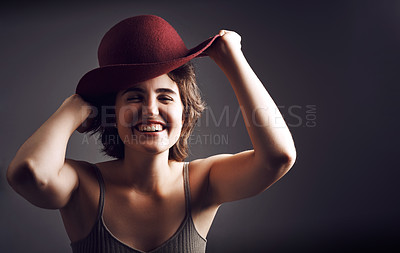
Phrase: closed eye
[134,98]
[165,98]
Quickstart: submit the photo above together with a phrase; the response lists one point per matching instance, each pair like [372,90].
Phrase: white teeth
[150,128]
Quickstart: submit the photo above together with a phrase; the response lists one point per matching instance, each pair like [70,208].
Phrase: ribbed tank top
[100,240]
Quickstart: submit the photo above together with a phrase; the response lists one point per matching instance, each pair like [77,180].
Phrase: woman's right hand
[83,111]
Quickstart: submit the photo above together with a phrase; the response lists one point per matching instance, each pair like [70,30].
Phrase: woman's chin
[153,148]
[151,142]
[150,147]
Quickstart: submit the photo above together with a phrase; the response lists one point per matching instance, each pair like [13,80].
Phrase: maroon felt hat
[135,50]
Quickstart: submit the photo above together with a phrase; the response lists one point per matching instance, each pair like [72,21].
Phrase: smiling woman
[150,105]
[149,199]
[188,94]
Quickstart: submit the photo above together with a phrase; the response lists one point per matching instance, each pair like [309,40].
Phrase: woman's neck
[148,173]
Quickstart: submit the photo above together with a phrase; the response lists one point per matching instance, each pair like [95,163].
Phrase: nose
[150,108]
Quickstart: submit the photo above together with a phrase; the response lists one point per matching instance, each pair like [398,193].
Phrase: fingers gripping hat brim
[113,78]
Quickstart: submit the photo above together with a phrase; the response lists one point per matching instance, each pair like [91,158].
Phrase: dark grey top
[101,240]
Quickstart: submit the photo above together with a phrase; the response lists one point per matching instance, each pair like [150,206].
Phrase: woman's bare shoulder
[80,212]
[199,170]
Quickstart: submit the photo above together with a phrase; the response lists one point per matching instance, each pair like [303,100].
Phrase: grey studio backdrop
[331,66]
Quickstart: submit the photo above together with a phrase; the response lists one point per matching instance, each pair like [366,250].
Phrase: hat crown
[141,39]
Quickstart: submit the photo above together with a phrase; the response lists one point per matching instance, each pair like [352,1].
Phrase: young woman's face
[149,115]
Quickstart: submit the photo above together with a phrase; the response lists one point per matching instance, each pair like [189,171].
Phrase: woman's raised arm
[233,177]
[39,171]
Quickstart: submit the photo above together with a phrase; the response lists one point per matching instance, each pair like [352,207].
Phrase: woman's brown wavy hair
[193,106]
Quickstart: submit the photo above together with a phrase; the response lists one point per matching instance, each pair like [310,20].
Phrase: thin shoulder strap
[102,192]
[187,186]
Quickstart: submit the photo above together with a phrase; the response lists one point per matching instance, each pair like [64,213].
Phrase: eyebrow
[141,90]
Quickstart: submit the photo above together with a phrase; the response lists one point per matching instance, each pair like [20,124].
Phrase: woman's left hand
[228,43]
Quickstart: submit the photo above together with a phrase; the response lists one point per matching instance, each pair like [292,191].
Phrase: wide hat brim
[113,78]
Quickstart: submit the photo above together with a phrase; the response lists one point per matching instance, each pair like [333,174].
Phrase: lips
[150,127]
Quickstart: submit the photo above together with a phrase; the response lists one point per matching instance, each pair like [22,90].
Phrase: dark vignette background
[332,64]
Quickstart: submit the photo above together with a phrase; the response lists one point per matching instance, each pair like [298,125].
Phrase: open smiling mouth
[150,128]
